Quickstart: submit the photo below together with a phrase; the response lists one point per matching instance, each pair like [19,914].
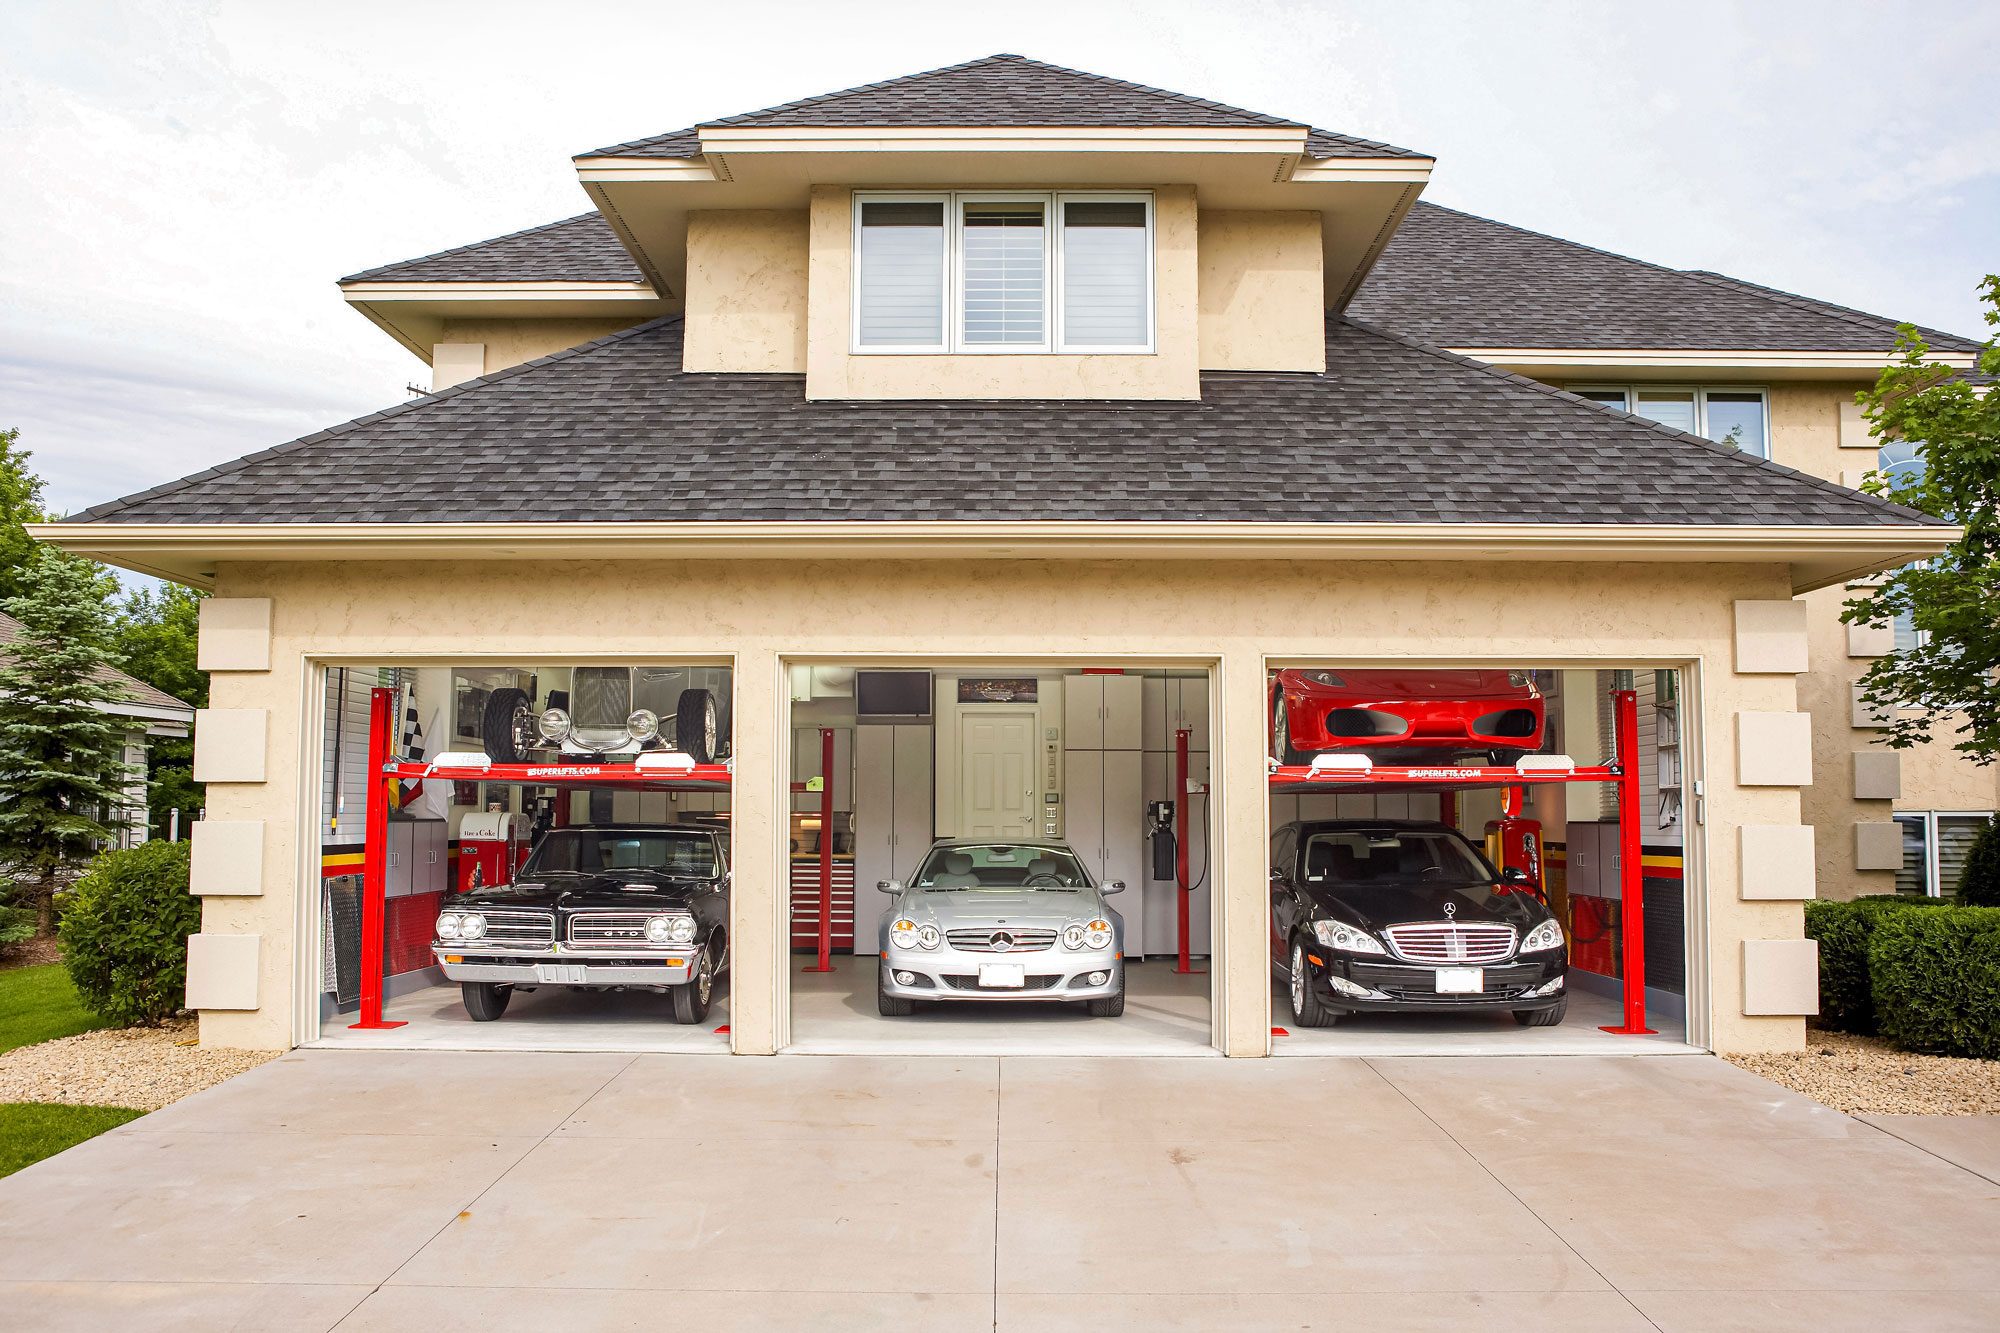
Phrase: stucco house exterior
[1248,404]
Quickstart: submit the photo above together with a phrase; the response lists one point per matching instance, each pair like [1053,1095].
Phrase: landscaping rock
[1868,1076]
[146,1068]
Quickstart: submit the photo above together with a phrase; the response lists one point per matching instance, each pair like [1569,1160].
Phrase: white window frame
[1700,392]
[954,202]
[1933,860]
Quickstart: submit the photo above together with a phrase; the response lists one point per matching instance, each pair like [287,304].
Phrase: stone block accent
[1775,862]
[1771,638]
[222,971]
[227,858]
[1878,845]
[1774,749]
[235,634]
[1866,717]
[1781,977]
[1854,427]
[1870,640]
[1878,775]
[229,744]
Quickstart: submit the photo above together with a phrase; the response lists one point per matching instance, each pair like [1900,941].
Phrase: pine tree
[20,502]
[1979,881]
[61,760]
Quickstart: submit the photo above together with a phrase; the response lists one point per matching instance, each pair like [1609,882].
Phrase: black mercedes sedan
[605,907]
[1392,915]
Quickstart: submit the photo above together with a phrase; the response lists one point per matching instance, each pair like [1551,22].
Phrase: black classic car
[1373,916]
[605,907]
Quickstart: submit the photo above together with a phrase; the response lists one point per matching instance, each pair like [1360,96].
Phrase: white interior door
[997,795]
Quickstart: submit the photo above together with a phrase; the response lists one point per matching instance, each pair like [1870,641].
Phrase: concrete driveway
[447,1191]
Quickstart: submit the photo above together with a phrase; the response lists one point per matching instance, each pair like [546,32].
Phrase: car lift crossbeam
[1294,778]
[698,777]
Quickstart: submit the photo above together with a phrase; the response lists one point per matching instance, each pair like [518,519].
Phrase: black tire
[1543,1018]
[1111,1006]
[507,728]
[695,717]
[485,1000]
[887,1005]
[1307,1009]
[693,997]
[1281,732]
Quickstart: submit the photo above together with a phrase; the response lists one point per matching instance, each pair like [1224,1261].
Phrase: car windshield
[1000,865]
[672,853]
[1393,856]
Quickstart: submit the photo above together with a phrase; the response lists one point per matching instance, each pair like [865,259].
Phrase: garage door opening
[1447,861]
[999,860]
[525,857]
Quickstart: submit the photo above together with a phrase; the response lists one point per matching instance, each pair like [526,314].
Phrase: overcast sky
[181,182]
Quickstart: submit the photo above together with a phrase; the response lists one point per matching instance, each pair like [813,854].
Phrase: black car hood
[1374,906]
[573,891]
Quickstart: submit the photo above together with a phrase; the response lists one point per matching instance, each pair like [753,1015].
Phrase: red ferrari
[1411,715]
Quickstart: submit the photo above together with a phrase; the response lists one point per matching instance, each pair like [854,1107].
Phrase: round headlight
[1097,935]
[928,937]
[659,929]
[472,926]
[681,930]
[553,724]
[903,934]
[643,725]
[447,926]
[1072,935]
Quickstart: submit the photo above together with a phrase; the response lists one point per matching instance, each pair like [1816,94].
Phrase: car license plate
[1003,976]
[1461,980]
[555,974]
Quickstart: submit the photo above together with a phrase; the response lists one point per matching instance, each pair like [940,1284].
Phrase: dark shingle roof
[1462,281]
[1005,90]
[578,249]
[614,431]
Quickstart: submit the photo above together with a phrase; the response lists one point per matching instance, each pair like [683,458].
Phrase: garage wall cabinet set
[1046,565]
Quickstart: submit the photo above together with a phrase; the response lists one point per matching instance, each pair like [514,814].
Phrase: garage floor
[1475,1034]
[547,1020]
[834,1014]
[491,1191]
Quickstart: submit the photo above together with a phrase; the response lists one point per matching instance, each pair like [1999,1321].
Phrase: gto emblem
[1451,909]
[1001,941]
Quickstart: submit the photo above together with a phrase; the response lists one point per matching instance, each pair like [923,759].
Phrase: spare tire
[695,725]
[507,728]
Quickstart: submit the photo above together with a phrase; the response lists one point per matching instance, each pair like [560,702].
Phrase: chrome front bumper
[567,969]
[1057,974]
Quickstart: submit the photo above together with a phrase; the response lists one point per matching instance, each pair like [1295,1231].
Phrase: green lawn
[30,1131]
[40,1004]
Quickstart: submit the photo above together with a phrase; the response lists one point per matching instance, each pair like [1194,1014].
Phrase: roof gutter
[190,552]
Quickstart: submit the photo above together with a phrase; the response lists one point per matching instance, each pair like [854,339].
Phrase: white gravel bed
[1868,1076]
[144,1068]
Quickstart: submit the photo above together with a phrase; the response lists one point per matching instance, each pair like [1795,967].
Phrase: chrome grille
[512,925]
[609,929]
[1450,942]
[981,940]
[600,700]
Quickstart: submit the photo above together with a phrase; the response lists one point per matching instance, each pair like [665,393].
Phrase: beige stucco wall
[1262,305]
[509,342]
[754,614]
[1170,371]
[746,292]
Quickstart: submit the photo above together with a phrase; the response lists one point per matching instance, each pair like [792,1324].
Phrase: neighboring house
[1005,360]
[147,714]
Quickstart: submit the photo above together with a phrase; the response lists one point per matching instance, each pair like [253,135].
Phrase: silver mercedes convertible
[983,919]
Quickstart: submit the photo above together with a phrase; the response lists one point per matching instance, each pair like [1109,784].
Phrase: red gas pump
[491,846]
[1514,841]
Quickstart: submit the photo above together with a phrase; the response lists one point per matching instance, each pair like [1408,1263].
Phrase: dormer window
[1068,272]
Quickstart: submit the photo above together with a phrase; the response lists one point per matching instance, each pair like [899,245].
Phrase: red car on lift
[1409,715]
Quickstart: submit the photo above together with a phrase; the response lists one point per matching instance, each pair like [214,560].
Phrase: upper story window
[1003,272]
[1727,416]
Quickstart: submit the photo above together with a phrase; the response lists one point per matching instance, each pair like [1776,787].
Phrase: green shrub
[124,933]
[1846,992]
[1979,884]
[17,926]
[1937,980]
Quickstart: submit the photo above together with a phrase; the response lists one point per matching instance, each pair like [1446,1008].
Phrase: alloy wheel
[1298,986]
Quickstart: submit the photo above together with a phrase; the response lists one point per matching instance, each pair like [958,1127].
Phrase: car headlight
[903,934]
[1340,935]
[659,929]
[1326,678]
[643,725]
[553,724]
[472,926]
[1548,935]
[1072,935]
[1097,935]
[928,936]
[447,925]
[680,930]
[1518,678]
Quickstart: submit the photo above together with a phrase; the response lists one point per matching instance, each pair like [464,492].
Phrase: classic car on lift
[1413,716]
[613,711]
[603,907]
[1407,916]
[990,919]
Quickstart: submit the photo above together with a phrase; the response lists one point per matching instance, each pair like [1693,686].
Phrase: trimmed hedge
[1937,980]
[124,933]
[1843,929]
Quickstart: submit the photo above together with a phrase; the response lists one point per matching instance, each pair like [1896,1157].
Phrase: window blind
[1005,280]
[902,275]
[1104,274]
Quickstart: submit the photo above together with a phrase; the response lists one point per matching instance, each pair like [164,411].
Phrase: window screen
[902,274]
[1104,274]
[1669,407]
[1006,274]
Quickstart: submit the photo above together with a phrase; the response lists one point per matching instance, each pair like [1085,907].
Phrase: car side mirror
[888,886]
[1517,876]
[1110,887]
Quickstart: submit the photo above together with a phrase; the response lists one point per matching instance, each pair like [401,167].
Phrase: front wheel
[692,997]
[1307,1011]
[507,727]
[1543,1018]
[887,1005]
[1113,1005]
[696,732]
[485,1000]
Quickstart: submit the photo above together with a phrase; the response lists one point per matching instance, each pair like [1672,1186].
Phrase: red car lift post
[375,860]
[1184,967]
[1622,772]
[825,961]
